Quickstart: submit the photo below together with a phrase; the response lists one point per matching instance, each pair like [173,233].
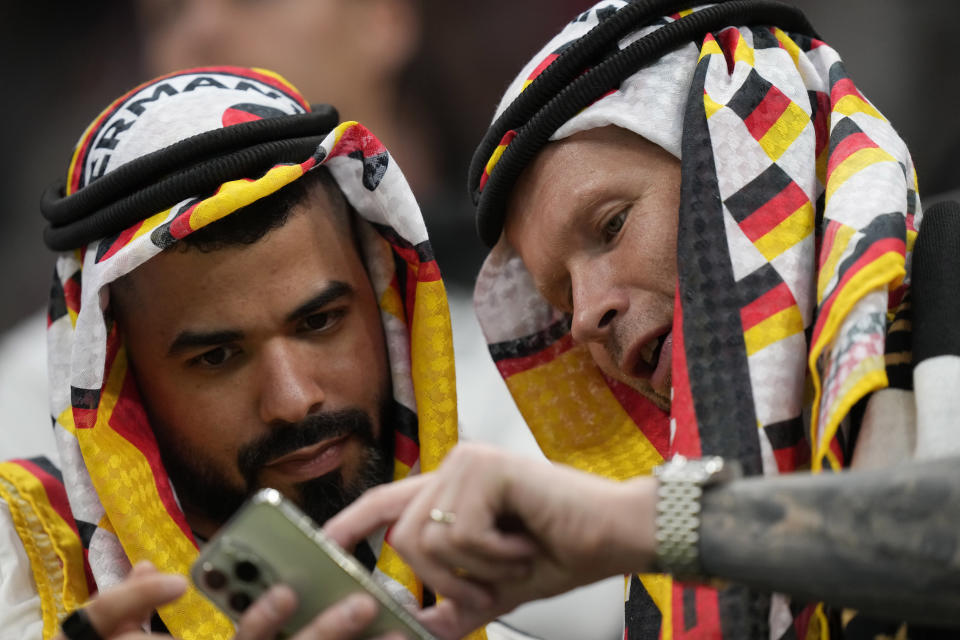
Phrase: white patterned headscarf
[798,214]
[120,497]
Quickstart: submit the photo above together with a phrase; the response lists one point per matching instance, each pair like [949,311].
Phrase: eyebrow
[189,340]
[333,291]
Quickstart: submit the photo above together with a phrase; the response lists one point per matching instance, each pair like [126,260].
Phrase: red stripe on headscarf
[842,88]
[838,451]
[686,440]
[543,65]
[896,297]
[359,138]
[513,366]
[239,72]
[121,241]
[773,301]
[405,450]
[887,245]
[76,167]
[288,90]
[653,422]
[88,573]
[71,294]
[846,148]
[773,212]
[504,142]
[428,271]
[409,297]
[180,226]
[707,607]
[728,39]
[767,113]
[129,420]
[56,494]
[826,244]
[409,255]
[821,122]
[793,457]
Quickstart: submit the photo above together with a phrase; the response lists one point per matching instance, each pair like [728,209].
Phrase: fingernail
[171,585]
[144,565]
[281,600]
[281,595]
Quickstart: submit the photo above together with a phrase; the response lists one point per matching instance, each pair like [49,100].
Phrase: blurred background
[424,76]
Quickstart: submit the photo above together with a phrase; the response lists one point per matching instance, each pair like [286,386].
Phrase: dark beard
[204,488]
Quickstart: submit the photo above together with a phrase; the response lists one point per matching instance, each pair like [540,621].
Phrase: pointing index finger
[376,508]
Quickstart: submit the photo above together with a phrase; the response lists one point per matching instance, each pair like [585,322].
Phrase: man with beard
[245,298]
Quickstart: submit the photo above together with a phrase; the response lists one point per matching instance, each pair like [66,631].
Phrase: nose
[597,300]
[289,387]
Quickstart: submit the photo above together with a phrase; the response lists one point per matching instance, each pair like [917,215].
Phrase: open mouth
[647,356]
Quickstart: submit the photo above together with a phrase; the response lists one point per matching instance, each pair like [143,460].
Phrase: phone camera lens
[215,578]
[246,571]
[239,601]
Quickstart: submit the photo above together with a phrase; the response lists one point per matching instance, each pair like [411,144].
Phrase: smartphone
[269,541]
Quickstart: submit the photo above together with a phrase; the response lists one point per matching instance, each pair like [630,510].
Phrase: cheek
[195,415]
[366,368]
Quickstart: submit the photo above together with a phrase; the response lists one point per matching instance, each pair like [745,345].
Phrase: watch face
[702,471]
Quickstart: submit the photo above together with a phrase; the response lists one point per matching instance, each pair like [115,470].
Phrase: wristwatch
[682,482]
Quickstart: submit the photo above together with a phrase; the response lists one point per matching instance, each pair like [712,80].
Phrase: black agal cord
[194,166]
[589,68]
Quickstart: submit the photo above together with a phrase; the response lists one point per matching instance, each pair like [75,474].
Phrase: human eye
[613,225]
[321,321]
[215,358]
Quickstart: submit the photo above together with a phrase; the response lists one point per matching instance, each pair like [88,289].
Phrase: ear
[393,31]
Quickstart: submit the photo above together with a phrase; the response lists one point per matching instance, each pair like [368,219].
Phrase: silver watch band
[682,481]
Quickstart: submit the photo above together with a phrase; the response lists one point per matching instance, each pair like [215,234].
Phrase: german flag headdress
[162,161]
[797,219]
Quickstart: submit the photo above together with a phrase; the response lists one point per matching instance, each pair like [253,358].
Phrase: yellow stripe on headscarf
[54,550]
[853,164]
[125,482]
[577,421]
[432,369]
[788,45]
[236,194]
[887,270]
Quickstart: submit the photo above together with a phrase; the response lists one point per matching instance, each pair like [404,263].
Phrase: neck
[200,524]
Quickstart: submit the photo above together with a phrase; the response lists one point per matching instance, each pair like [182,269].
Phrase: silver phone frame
[346,562]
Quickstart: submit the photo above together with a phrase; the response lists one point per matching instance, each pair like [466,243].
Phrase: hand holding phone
[270,541]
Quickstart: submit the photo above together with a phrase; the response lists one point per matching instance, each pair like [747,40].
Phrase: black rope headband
[563,89]
[196,165]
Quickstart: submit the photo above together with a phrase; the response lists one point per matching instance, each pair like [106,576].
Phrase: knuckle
[373,496]
[401,538]
[461,537]
[432,540]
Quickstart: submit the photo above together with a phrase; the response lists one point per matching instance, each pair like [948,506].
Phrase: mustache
[288,438]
